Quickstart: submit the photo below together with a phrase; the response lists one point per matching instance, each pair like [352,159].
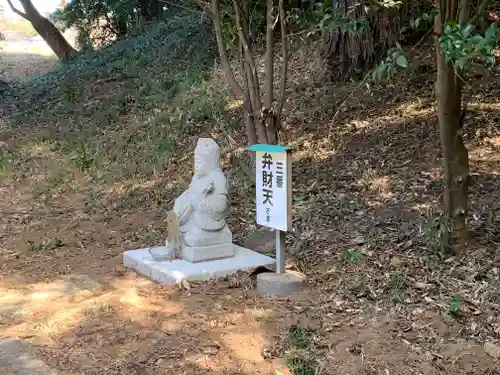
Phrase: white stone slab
[171,272]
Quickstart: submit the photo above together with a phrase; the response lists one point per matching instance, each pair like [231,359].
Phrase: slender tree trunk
[450,115]
[251,130]
[149,9]
[46,29]
[267,114]
[121,27]
[250,73]
[262,121]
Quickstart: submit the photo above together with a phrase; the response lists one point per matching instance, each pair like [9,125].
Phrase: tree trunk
[149,9]
[347,54]
[250,82]
[121,27]
[262,122]
[251,129]
[450,115]
[46,29]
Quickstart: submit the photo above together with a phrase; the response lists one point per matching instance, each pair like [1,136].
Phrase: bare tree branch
[481,8]
[284,49]
[249,107]
[246,46]
[17,11]
[238,90]
[268,101]
[251,74]
[247,74]
[252,105]
[254,89]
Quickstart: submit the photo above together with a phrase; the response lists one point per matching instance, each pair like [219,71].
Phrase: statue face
[206,157]
[200,166]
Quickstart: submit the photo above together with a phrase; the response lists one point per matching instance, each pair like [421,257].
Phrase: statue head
[206,156]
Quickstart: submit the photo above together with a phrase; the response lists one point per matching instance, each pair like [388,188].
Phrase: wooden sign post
[274,193]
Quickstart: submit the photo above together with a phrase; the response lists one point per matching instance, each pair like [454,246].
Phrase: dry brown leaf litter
[380,296]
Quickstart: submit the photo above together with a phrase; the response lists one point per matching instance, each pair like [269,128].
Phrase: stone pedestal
[174,271]
[280,284]
[202,254]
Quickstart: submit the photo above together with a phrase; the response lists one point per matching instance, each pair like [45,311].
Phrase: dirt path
[25,59]
[124,324]
[127,325]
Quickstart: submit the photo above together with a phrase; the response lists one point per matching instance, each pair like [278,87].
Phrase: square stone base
[174,271]
[202,254]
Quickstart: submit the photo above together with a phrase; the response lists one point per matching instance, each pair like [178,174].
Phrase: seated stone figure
[201,210]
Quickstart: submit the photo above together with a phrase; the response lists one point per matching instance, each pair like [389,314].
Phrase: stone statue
[203,232]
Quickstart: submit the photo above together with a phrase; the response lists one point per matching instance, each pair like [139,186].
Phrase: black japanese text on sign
[273,186]
[267,181]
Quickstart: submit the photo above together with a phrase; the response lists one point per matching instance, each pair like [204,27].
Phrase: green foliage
[69,92]
[256,22]
[299,350]
[424,21]
[328,16]
[50,244]
[301,366]
[300,338]
[20,25]
[126,110]
[130,60]
[4,161]
[108,18]
[395,61]
[352,256]
[397,286]
[436,233]
[82,157]
[427,18]
[454,304]
[461,46]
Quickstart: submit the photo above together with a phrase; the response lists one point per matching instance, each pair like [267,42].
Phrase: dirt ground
[23,59]
[379,299]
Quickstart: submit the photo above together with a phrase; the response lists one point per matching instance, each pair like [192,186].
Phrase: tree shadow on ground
[130,325]
[390,177]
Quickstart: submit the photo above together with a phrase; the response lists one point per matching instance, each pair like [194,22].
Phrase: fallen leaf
[492,350]
[396,262]
[211,350]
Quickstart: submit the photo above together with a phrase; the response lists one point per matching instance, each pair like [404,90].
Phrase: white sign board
[274,189]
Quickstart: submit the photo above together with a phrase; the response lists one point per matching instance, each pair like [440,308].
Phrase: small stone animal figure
[173,242]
